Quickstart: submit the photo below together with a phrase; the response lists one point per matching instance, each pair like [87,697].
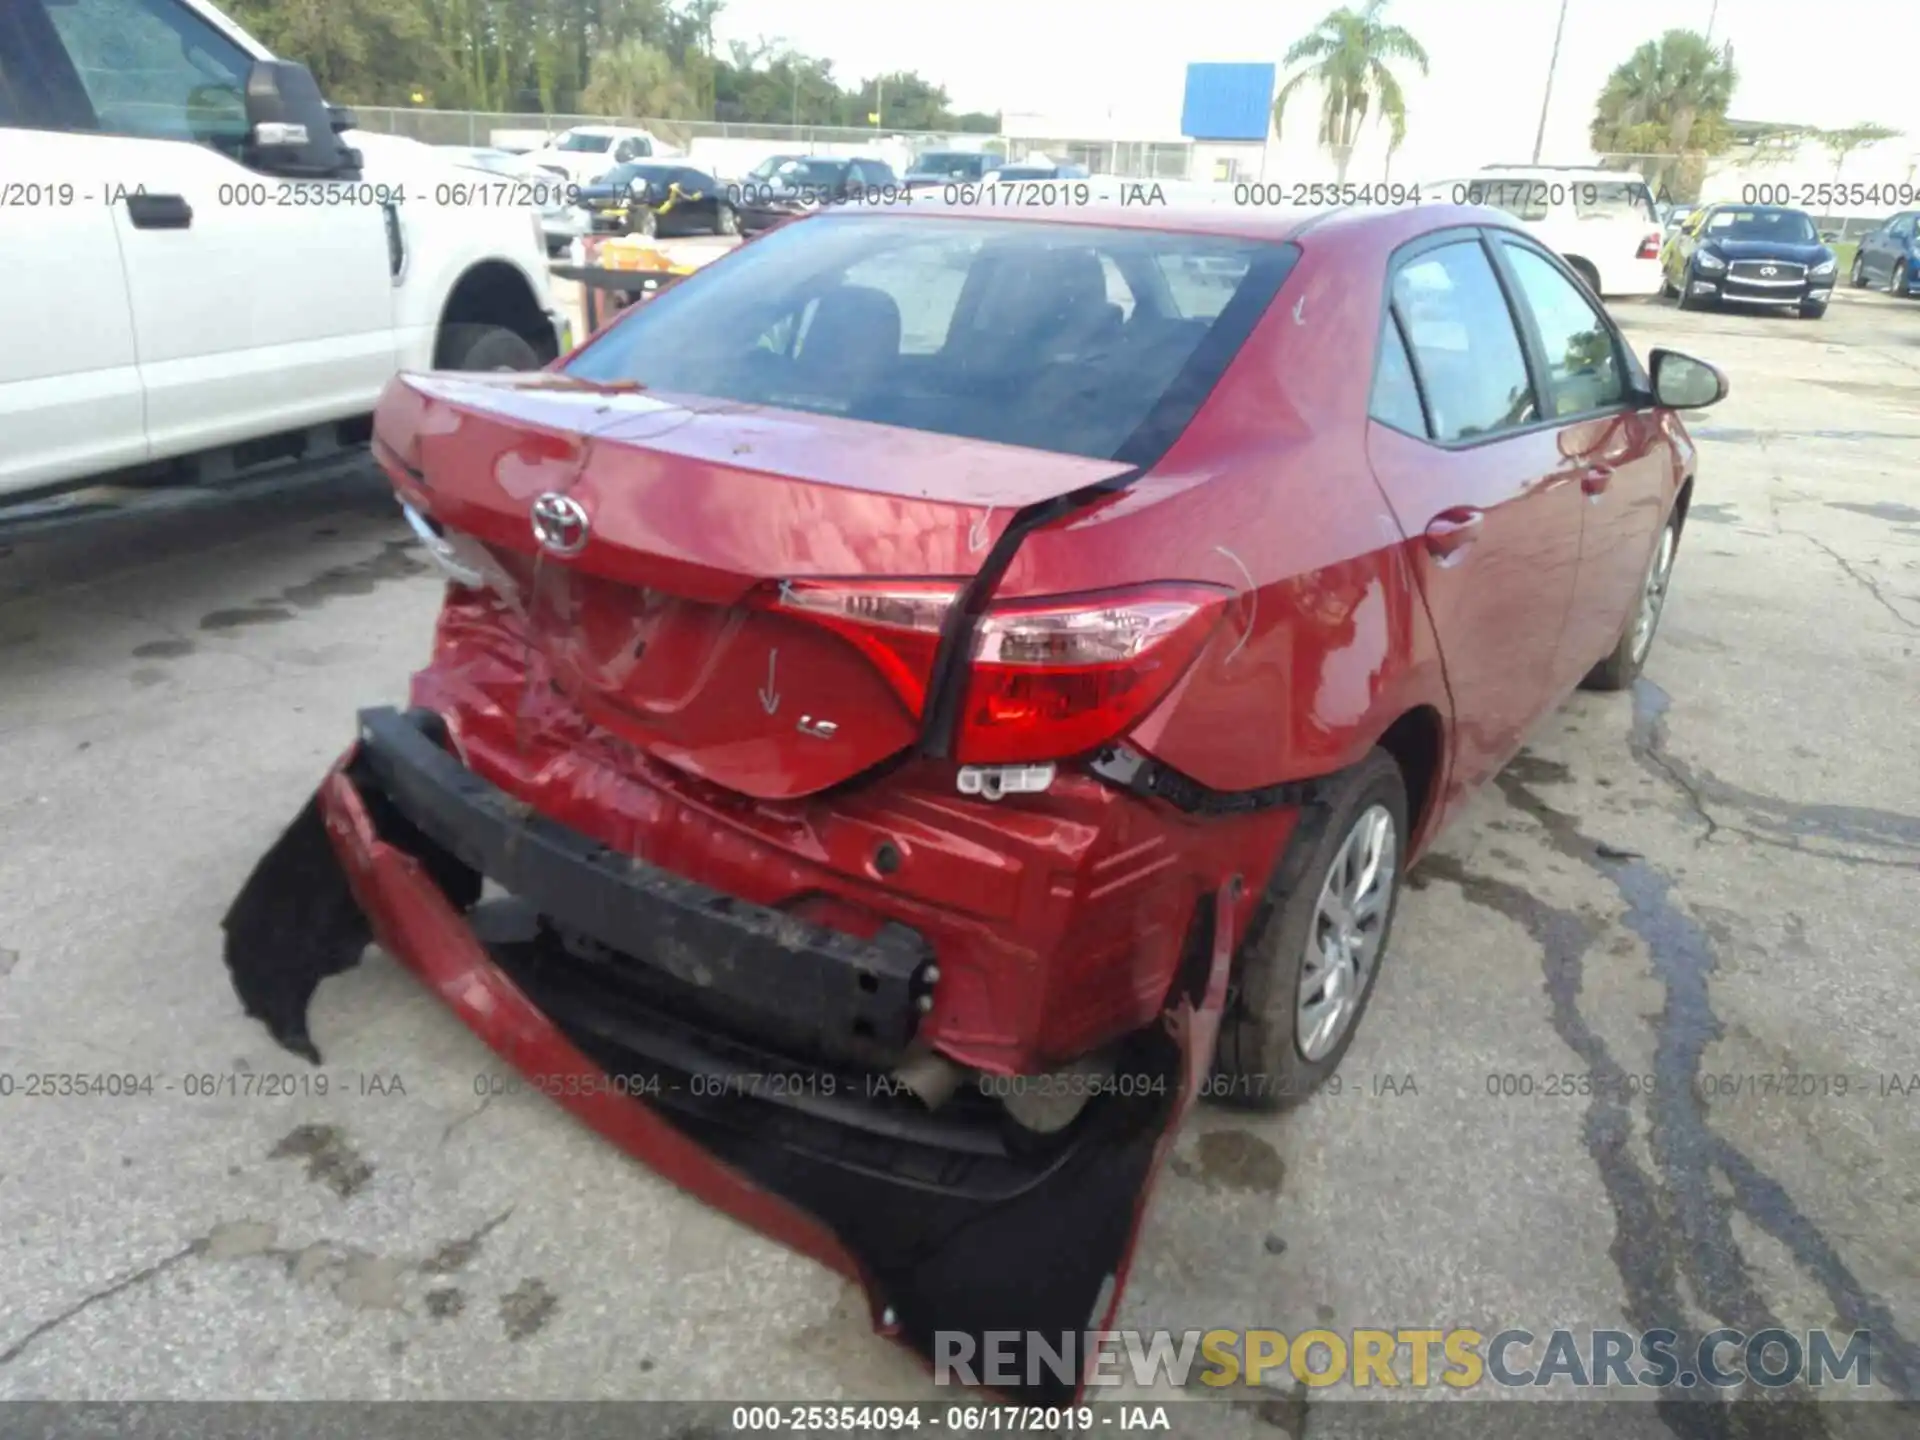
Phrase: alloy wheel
[1349,923]
[1653,595]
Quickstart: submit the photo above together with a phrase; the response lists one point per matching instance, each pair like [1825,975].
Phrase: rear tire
[489,347]
[1263,1060]
[1857,276]
[646,226]
[1589,276]
[1620,669]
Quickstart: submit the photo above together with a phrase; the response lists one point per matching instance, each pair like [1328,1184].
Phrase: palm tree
[1346,55]
[1668,98]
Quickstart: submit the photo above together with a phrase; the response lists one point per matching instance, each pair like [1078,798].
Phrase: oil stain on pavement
[330,1160]
[1674,1227]
[527,1307]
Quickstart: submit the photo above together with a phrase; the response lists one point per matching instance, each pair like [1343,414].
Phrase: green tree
[1347,56]
[636,80]
[364,52]
[1842,143]
[1666,106]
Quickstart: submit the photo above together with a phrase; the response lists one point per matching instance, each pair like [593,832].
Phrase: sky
[1100,67]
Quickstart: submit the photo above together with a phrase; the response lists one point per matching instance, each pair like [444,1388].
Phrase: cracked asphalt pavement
[1697,902]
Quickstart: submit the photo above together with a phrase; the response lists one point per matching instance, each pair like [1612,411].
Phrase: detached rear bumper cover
[946,1229]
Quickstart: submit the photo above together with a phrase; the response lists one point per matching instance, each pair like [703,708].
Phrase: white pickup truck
[205,268]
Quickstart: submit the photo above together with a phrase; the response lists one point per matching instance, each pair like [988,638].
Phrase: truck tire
[490,347]
[1262,1060]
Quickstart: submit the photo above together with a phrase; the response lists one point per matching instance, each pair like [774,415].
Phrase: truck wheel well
[1414,742]
[493,293]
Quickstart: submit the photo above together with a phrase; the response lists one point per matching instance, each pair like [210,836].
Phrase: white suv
[206,268]
[1601,222]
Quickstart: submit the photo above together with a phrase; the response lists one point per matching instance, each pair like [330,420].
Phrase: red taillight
[1650,247]
[894,623]
[1053,678]
[1048,678]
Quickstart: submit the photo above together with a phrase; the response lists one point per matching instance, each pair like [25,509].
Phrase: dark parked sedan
[654,197]
[801,186]
[1752,254]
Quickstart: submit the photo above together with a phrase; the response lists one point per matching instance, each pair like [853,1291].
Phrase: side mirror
[290,128]
[1681,382]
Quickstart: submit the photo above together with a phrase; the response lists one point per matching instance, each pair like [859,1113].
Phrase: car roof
[1395,224]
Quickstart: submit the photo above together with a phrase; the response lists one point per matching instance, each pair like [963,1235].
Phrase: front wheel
[1689,300]
[1620,669]
[1901,283]
[1307,968]
[486,347]
[726,220]
[1812,310]
[646,224]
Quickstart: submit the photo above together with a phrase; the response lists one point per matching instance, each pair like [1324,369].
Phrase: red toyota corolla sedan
[939,689]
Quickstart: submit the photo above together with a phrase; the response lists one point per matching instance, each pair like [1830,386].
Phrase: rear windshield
[954,165]
[1788,226]
[1075,339]
[1535,198]
[813,172]
[584,144]
[1614,200]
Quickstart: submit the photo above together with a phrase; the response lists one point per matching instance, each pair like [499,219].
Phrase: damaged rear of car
[768,780]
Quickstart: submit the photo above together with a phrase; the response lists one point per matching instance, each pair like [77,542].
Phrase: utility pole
[1540,135]
[1712,14]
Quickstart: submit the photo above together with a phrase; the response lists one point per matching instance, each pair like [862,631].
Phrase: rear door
[1591,381]
[70,401]
[1475,474]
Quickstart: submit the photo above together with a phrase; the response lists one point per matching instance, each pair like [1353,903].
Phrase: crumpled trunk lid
[666,624]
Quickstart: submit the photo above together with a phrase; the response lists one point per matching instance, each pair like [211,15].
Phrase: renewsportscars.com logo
[1458,1358]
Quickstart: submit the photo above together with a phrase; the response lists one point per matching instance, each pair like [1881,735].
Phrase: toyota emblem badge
[560,524]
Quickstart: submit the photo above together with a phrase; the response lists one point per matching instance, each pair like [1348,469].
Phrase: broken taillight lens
[1053,678]
[895,624]
[1047,679]
[1650,247]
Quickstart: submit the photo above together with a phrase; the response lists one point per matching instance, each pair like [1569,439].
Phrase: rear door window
[989,329]
[1463,340]
[1396,395]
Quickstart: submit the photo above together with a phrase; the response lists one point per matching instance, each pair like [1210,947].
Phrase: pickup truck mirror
[290,128]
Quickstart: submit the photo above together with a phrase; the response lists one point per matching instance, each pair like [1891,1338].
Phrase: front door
[1614,451]
[259,304]
[1481,490]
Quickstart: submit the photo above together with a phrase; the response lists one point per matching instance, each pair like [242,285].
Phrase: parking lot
[1707,886]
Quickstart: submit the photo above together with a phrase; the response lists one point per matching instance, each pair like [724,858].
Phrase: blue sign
[1228,102]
